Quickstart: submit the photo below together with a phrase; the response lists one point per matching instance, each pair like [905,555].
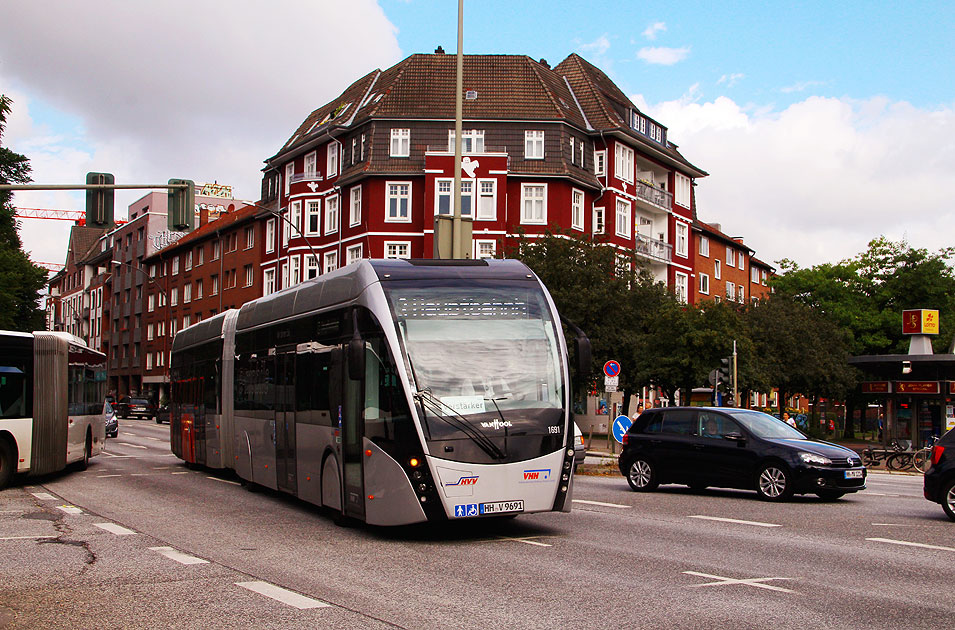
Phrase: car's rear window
[652,423]
[138,401]
[948,438]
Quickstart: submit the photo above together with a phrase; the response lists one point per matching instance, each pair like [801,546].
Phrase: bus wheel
[87,451]
[8,462]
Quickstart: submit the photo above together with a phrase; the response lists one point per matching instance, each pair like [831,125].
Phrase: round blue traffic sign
[612,368]
[621,425]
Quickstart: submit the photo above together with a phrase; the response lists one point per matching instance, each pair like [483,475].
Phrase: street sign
[612,368]
[621,425]
[611,383]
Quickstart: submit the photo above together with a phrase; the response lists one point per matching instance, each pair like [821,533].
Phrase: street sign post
[611,383]
[612,368]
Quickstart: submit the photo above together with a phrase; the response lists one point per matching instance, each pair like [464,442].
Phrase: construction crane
[77,216]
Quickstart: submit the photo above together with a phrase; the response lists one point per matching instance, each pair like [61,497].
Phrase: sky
[822,125]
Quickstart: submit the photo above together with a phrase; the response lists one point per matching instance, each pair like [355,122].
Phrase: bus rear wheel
[8,462]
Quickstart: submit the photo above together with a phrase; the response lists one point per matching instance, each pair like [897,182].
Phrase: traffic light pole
[735,388]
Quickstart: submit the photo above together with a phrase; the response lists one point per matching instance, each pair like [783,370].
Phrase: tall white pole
[458,114]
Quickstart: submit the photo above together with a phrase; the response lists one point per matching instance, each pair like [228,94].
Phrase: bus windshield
[487,355]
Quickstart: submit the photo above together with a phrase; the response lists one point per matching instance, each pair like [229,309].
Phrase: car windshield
[765,426]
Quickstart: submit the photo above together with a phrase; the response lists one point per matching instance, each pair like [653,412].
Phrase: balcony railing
[656,197]
[653,248]
[307,177]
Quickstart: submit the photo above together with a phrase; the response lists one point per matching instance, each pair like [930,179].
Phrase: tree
[20,279]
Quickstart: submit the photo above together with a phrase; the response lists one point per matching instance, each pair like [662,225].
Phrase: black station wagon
[735,448]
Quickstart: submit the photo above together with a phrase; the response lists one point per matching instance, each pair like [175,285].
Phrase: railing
[656,197]
[307,177]
[443,148]
[653,249]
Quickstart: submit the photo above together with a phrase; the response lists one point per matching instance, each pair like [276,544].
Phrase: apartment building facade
[725,268]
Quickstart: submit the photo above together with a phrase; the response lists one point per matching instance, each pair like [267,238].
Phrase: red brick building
[725,267]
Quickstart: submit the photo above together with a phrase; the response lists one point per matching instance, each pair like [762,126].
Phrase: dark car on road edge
[130,406]
[939,484]
[735,448]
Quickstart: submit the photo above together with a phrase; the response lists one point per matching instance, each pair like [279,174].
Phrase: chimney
[544,63]
[439,50]
[203,214]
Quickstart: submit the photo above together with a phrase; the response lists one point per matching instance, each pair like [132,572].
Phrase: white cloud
[818,180]
[597,47]
[801,86]
[204,91]
[663,56]
[652,30]
[731,79]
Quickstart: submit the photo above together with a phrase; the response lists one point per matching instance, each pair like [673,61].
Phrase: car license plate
[853,474]
[502,507]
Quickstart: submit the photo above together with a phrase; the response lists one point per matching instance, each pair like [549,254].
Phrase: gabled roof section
[84,243]
[714,232]
[223,223]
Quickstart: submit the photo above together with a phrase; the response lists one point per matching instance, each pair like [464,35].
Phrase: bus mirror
[584,357]
[356,359]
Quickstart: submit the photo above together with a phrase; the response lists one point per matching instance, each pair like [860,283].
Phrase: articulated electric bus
[52,393]
[391,391]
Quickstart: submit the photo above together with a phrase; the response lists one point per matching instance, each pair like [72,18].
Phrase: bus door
[352,428]
[198,420]
[285,466]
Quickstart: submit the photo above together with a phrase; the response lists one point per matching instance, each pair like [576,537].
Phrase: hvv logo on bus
[536,475]
[457,483]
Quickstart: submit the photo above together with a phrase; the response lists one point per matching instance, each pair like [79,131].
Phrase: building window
[311,165]
[216,249]
[150,303]
[185,321]
[199,289]
[682,238]
[400,142]
[294,225]
[331,261]
[187,293]
[623,163]
[175,265]
[472,141]
[312,217]
[295,270]
[334,149]
[331,214]
[174,296]
[248,275]
[354,213]
[268,281]
[598,220]
[682,193]
[741,294]
[754,275]
[704,246]
[534,204]
[730,291]
[249,237]
[398,202]
[680,286]
[577,210]
[311,267]
[215,285]
[622,225]
[149,332]
[188,261]
[353,254]
[269,237]
[763,276]
[487,200]
[444,196]
[199,255]
[741,260]
[717,269]
[600,163]
[485,249]
[289,172]
[534,145]
[730,257]
[704,284]
[397,250]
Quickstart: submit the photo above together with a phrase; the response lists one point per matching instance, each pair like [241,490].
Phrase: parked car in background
[939,483]
[135,407]
[112,423]
[162,414]
[735,448]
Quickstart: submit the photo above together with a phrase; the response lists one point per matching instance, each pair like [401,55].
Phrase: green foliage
[20,279]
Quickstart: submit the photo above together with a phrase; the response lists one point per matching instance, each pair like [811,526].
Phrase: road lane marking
[104,476]
[113,528]
[613,505]
[182,472]
[734,520]
[132,445]
[527,540]
[70,509]
[283,595]
[234,483]
[906,543]
[154,439]
[723,581]
[44,496]
[882,494]
[894,524]
[25,537]
[178,556]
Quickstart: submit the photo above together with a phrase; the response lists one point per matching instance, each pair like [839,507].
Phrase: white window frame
[149,332]
[150,303]
[717,268]
[186,293]
[681,247]
[534,144]
[249,276]
[741,294]
[389,197]
[353,254]
[331,214]
[681,196]
[485,248]
[312,269]
[680,284]
[474,137]
[215,285]
[623,211]
[600,163]
[175,265]
[704,283]
[400,143]
[577,209]
[753,275]
[295,270]
[600,220]
[289,172]
[334,152]
[354,207]
[730,291]
[481,214]
[311,165]
[249,237]
[444,189]
[704,247]
[174,297]
[331,261]
[295,218]
[268,281]
[623,162]
[730,257]
[198,290]
[396,246]
[313,210]
[269,236]
[188,263]
[741,260]
[533,205]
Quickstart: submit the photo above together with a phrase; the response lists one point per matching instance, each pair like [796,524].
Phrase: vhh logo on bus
[541,474]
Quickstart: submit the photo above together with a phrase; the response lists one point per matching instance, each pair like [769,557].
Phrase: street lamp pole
[165,297]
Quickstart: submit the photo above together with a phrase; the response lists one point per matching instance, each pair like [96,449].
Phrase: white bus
[392,392]
[52,393]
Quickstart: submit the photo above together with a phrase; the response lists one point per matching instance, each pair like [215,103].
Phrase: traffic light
[99,201]
[725,371]
[181,205]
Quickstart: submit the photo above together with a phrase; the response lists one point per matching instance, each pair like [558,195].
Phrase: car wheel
[158,421]
[642,476]
[948,499]
[774,482]
[830,495]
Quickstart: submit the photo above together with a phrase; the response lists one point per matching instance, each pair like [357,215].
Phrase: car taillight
[626,438]
[937,454]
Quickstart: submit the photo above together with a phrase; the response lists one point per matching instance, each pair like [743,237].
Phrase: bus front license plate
[502,507]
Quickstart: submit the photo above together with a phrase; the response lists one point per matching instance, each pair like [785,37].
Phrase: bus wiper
[455,419]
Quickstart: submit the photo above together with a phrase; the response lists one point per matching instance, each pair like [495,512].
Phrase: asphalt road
[140,541]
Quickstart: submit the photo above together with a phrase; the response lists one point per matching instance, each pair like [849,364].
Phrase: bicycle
[899,461]
[922,459]
[873,457]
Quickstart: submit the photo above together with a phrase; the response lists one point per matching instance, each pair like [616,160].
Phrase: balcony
[652,197]
[655,250]
[306,177]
